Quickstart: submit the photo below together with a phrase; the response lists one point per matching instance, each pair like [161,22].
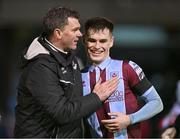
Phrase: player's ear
[112,41]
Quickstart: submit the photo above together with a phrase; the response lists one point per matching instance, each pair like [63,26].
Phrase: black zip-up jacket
[49,99]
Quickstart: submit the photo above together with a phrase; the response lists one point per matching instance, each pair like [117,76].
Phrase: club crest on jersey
[114,74]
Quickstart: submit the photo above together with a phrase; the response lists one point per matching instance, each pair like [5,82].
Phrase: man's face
[71,34]
[98,45]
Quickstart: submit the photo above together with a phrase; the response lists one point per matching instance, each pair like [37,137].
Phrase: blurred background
[146,32]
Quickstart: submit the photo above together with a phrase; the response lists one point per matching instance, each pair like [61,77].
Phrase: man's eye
[91,40]
[75,30]
[103,41]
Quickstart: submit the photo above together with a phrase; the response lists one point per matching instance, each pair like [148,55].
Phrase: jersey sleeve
[136,77]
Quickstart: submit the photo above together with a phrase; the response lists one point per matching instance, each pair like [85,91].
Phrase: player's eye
[91,40]
[103,41]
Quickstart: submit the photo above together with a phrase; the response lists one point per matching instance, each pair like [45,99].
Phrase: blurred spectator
[170,124]
[172,132]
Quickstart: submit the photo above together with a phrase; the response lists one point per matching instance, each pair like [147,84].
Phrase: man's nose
[97,45]
[79,34]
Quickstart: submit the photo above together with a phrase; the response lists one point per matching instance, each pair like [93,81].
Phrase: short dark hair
[57,17]
[98,23]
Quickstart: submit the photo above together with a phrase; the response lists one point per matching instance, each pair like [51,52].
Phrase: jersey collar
[102,65]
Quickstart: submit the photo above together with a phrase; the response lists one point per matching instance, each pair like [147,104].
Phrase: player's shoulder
[135,68]
[130,64]
[133,64]
[125,62]
[116,60]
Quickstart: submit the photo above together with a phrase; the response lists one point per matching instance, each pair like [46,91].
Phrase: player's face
[71,34]
[98,44]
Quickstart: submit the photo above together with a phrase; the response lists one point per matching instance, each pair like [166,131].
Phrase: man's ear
[112,41]
[58,33]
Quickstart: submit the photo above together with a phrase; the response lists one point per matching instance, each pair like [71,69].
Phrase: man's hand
[169,133]
[105,89]
[118,122]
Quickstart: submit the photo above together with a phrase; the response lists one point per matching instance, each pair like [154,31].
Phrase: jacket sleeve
[43,84]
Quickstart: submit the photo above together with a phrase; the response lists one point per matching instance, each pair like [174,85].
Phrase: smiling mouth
[96,52]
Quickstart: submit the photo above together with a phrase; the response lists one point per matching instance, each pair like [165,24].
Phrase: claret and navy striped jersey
[133,83]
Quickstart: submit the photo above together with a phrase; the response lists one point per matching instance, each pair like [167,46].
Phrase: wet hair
[57,17]
[98,23]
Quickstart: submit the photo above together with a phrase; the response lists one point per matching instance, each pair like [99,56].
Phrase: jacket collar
[57,54]
[54,47]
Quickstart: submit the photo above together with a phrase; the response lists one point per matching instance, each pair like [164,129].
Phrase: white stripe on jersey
[116,100]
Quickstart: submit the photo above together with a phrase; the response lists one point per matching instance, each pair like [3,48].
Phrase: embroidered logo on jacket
[74,65]
[63,70]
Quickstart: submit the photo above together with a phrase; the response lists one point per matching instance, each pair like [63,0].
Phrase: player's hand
[169,133]
[105,89]
[118,122]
